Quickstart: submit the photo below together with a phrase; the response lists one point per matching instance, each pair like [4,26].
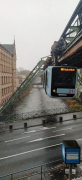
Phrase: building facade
[19,79]
[7,71]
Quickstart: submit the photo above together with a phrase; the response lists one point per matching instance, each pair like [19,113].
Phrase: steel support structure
[24,86]
[71,40]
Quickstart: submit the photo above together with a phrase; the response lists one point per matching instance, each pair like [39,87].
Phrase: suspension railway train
[60,81]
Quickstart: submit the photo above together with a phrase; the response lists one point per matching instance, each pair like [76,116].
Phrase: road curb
[4,127]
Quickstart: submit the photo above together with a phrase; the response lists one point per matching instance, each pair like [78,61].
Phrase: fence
[48,171]
[32,114]
[37,172]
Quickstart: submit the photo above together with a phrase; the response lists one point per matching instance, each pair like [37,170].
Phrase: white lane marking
[29,132]
[40,139]
[33,150]
[17,139]
[62,129]
[35,140]
[42,129]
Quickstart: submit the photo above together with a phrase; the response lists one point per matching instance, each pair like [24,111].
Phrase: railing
[37,172]
[33,114]
[42,172]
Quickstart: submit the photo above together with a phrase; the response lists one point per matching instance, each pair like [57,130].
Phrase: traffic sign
[71,152]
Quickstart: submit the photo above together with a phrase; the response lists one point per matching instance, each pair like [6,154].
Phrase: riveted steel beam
[76,12]
[69,38]
[71,34]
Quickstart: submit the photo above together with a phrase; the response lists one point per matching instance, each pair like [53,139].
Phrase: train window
[63,79]
[43,78]
[46,78]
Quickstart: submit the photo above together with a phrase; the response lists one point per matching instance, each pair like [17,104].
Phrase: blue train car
[60,81]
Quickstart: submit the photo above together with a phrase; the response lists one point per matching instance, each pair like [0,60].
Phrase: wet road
[23,149]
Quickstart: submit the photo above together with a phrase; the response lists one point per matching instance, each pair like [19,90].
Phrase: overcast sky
[35,24]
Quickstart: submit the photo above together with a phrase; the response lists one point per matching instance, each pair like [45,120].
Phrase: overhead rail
[74,25]
[24,86]
[71,36]
[73,54]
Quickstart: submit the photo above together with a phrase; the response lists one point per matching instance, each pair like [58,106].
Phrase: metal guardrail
[39,172]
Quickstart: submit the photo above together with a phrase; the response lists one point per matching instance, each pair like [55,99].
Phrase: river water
[37,103]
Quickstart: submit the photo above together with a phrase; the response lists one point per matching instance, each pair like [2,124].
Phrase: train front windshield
[64,78]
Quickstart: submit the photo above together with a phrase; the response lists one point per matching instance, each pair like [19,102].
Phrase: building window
[11,88]
[4,80]
[2,92]
[7,90]
[2,68]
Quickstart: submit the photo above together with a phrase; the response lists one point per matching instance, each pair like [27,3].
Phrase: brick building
[7,71]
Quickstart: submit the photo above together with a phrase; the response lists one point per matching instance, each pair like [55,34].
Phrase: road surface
[22,149]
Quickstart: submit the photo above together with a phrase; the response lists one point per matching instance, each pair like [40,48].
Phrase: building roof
[8,47]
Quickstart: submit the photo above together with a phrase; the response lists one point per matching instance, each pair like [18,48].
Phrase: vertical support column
[41,172]
[70,171]
[11,176]
[10,127]
[25,125]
